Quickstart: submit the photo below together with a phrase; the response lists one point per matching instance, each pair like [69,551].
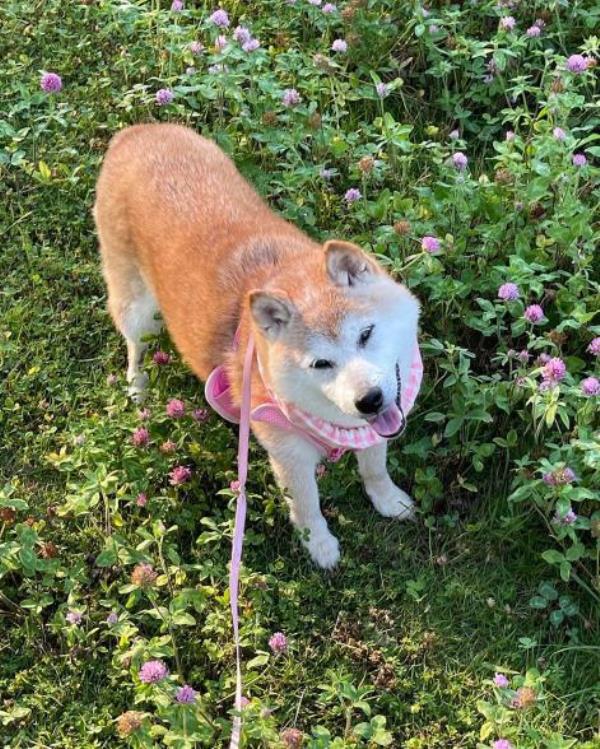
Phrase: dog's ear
[271,311]
[347,264]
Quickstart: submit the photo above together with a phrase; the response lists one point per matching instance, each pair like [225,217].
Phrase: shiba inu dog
[336,364]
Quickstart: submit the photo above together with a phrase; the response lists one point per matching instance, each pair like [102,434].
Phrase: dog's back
[180,228]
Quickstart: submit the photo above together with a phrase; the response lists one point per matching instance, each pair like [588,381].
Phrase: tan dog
[181,231]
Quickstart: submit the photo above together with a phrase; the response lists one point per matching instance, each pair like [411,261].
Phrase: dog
[181,232]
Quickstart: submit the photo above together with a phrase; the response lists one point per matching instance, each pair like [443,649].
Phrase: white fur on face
[332,393]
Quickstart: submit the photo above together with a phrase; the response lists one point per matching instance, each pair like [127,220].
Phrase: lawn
[458,142]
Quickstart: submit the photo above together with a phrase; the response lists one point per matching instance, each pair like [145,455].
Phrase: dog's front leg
[294,463]
[386,497]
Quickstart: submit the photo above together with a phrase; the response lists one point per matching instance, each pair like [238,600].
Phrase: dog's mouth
[391,421]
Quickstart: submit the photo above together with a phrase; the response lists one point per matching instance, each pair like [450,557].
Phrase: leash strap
[238,536]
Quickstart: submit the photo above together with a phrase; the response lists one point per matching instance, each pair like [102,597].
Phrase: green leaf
[548,591]
[453,426]
[107,557]
[556,617]
[552,556]
[258,661]
[575,552]
[565,571]
[182,618]
[538,602]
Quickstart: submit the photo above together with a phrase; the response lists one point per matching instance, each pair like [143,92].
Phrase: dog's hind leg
[137,321]
[132,306]
[386,497]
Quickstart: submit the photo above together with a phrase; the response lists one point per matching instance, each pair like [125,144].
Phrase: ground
[399,646]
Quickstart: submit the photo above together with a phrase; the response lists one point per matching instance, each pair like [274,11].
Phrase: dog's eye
[365,335]
[322,364]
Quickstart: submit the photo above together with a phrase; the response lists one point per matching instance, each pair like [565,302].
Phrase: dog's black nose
[371,402]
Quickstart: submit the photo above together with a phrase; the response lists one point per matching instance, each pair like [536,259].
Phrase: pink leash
[238,536]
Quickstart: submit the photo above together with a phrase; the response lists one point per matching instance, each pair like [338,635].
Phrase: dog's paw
[324,549]
[392,502]
[137,388]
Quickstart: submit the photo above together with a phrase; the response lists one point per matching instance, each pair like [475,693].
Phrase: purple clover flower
[502,744]
[200,414]
[507,23]
[141,500]
[533,31]
[168,447]
[161,358]
[590,386]
[454,134]
[577,63]
[559,477]
[579,160]
[291,97]
[196,48]
[242,34]
[501,681]
[152,672]
[328,174]
[534,313]
[315,2]
[278,642]
[352,195]
[140,437]
[112,618]
[175,408]
[221,42]
[559,133]
[164,96]
[51,83]
[430,244]
[180,475]
[555,370]
[339,45]
[382,89]
[186,695]
[74,617]
[177,6]
[508,292]
[594,346]
[251,45]
[329,8]
[220,18]
[460,161]
[567,519]
[509,135]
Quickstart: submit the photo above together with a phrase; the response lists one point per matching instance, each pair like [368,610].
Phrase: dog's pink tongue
[389,422]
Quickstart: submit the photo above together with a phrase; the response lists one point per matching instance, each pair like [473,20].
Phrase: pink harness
[331,439]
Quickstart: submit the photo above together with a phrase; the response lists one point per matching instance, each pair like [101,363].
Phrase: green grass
[421,614]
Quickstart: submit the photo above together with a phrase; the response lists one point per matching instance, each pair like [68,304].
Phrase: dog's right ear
[347,264]
[271,311]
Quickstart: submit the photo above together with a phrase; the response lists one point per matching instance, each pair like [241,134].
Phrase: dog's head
[336,336]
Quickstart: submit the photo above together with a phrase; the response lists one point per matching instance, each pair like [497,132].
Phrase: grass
[420,616]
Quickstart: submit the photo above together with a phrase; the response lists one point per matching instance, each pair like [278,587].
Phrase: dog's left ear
[271,311]
[347,264]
